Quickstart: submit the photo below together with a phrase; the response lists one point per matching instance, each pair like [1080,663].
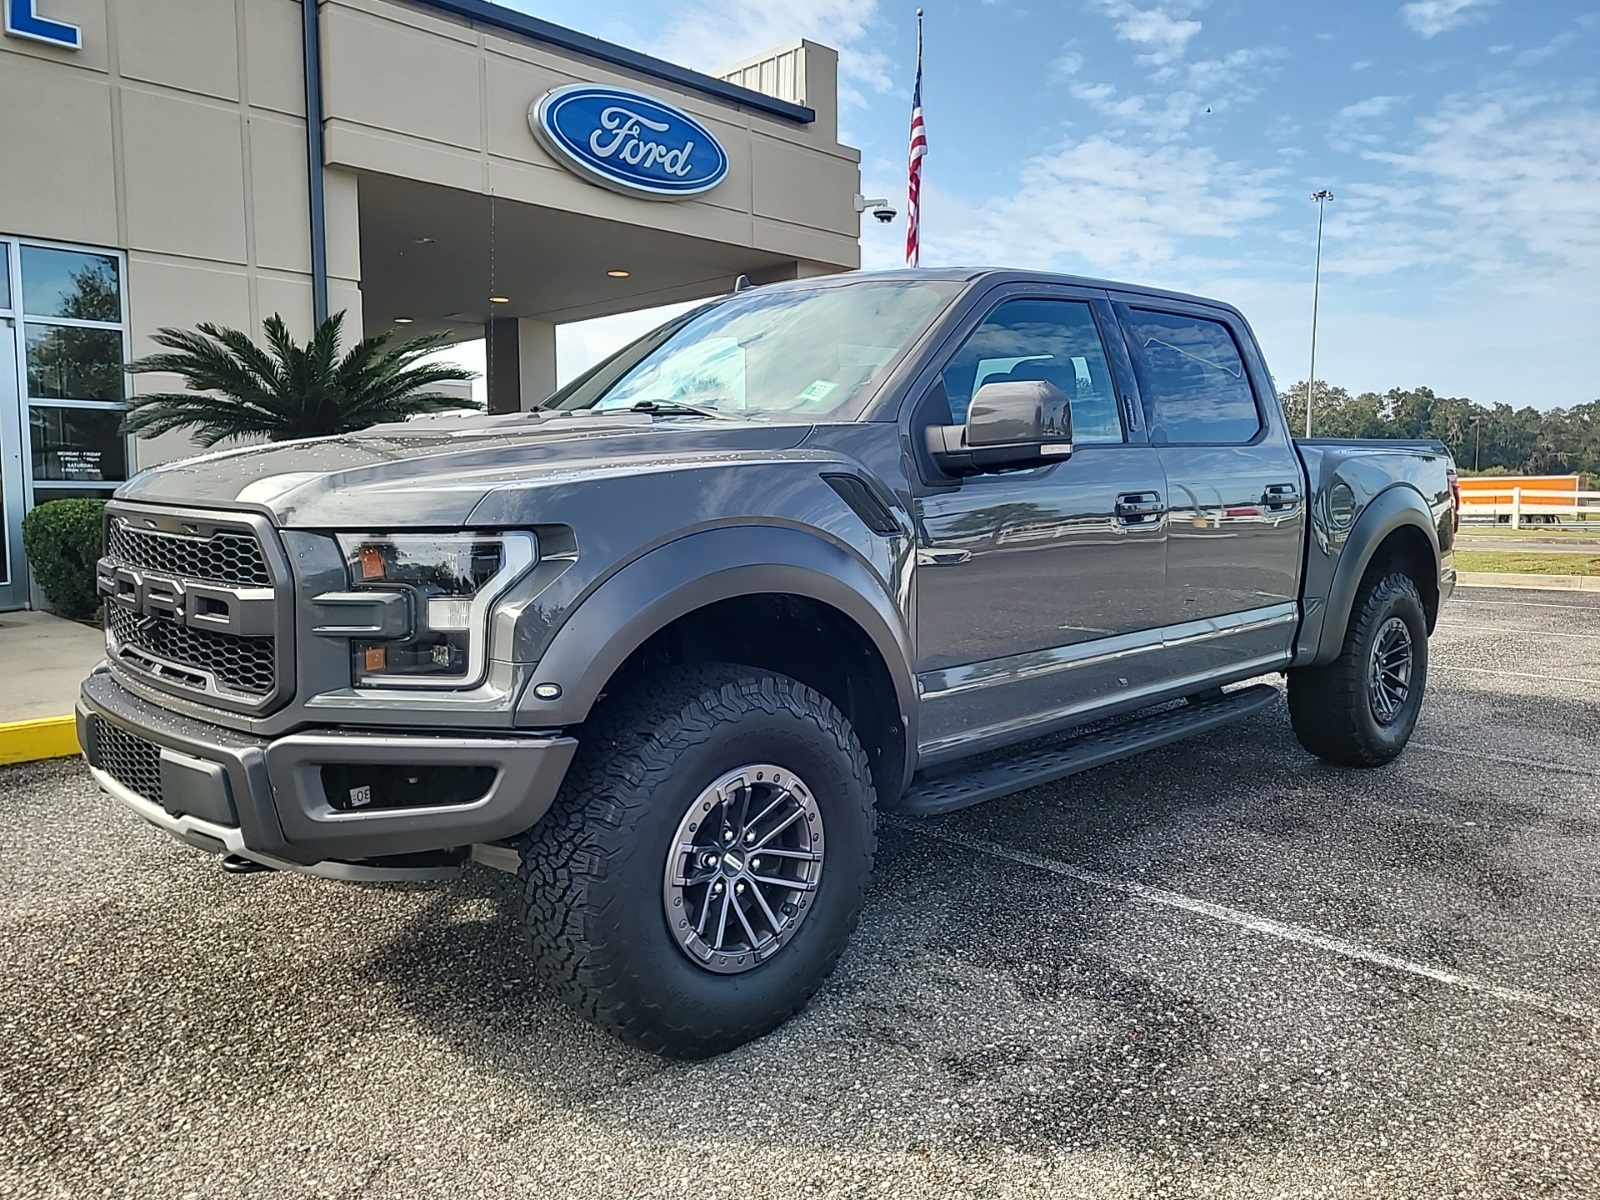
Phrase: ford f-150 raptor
[667,644]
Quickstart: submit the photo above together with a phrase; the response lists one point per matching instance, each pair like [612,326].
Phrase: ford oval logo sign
[628,142]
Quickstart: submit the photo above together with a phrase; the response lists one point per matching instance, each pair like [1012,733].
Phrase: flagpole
[918,151]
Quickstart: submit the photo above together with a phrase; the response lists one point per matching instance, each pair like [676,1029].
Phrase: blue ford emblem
[629,142]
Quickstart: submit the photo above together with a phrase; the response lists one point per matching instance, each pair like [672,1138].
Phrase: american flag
[919,151]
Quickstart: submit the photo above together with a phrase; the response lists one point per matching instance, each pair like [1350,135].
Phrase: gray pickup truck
[666,645]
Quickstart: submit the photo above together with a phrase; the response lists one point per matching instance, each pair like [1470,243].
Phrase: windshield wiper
[676,408]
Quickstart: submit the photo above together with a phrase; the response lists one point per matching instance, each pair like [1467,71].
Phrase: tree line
[1492,439]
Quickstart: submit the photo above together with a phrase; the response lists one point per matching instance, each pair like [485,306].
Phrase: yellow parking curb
[46,737]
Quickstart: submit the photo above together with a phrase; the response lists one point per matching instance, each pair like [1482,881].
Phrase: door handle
[1137,508]
[1280,495]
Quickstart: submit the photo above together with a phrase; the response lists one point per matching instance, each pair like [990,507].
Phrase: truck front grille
[197,604]
[241,664]
[131,761]
[224,557]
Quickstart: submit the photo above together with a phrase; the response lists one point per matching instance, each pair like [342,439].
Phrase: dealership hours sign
[628,142]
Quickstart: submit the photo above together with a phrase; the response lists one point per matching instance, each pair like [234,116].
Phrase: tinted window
[1193,380]
[69,362]
[1053,340]
[70,283]
[79,445]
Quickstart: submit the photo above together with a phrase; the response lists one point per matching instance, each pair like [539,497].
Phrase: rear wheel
[1360,709]
[706,860]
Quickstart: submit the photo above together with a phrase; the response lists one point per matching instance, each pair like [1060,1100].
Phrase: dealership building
[433,164]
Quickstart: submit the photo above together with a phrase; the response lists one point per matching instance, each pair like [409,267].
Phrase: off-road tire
[592,868]
[1329,706]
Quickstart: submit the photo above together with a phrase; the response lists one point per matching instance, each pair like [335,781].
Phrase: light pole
[1477,439]
[1321,197]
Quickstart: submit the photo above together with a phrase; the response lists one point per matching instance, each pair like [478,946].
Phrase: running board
[1026,769]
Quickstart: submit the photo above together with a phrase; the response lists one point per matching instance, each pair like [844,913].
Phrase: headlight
[452,580]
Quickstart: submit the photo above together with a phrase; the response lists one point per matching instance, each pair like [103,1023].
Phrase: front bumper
[263,799]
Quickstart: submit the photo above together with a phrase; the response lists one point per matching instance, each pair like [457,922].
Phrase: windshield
[813,353]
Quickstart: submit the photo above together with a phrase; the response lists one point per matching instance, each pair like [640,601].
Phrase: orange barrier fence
[1528,499]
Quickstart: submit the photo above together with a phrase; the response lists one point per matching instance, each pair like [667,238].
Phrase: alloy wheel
[743,868]
[1389,670]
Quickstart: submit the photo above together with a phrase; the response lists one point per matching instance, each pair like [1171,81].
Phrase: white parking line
[1452,627]
[1457,602]
[1508,759]
[1438,666]
[1279,929]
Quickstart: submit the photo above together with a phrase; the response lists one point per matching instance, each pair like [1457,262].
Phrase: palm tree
[238,389]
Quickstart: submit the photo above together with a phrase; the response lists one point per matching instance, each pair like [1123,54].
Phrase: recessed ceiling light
[402,320]
[423,241]
[618,273]
[499,299]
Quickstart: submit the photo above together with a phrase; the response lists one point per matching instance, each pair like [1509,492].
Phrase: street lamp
[1321,197]
[1477,438]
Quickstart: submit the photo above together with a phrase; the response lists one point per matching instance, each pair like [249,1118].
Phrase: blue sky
[1176,142]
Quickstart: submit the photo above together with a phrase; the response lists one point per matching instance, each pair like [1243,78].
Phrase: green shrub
[63,540]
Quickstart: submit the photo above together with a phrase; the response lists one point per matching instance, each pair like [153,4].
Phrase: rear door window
[1196,389]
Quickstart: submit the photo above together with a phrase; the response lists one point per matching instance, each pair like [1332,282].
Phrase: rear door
[1235,488]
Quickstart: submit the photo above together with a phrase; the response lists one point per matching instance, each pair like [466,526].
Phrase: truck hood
[435,471]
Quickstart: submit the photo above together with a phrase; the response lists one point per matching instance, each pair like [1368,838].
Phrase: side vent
[855,492]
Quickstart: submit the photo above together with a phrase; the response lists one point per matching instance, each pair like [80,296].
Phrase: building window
[72,344]
[71,283]
[66,362]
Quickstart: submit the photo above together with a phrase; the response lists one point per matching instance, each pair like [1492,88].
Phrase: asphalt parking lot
[1218,970]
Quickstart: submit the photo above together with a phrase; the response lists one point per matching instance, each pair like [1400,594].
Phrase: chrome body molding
[980,706]
[936,685]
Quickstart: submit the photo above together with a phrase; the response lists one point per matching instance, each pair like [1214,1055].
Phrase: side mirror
[1017,423]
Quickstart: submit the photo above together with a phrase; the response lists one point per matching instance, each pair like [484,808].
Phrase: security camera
[880,208]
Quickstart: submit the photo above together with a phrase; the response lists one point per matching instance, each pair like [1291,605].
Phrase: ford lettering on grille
[190,608]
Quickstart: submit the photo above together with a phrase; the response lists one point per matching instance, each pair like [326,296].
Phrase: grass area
[1526,563]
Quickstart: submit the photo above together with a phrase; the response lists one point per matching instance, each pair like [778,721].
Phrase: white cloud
[1213,85]
[1374,107]
[711,35]
[1069,64]
[1162,30]
[1238,75]
[1433,17]
[1509,179]
[1539,53]
[1104,206]
[1352,125]
[1163,117]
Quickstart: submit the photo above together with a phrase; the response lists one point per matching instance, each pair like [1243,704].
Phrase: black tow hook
[238,864]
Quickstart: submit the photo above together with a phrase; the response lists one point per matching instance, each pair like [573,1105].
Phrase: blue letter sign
[23,22]
[628,142]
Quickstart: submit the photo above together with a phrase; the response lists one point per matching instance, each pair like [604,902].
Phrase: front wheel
[706,861]
[1360,709]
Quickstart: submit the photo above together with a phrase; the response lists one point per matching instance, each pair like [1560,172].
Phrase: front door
[1234,489]
[1039,590]
[13,489]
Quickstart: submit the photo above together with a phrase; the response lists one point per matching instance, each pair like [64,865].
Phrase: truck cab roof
[994,276]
